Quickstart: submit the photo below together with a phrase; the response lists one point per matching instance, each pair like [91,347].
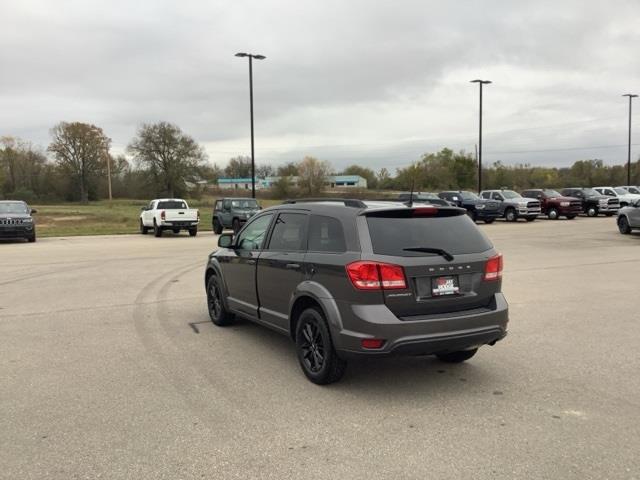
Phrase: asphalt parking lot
[109,368]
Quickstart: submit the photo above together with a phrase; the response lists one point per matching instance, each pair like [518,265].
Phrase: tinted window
[171,205]
[289,232]
[243,203]
[496,196]
[326,235]
[252,236]
[486,195]
[454,234]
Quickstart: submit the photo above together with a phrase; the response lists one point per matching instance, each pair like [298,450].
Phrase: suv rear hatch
[443,256]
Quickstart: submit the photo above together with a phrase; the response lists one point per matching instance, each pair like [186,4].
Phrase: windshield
[510,194]
[455,234]
[468,196]
[590,192]
[620,191]
[244,204]
[14,207]
[551,193]
[172,205]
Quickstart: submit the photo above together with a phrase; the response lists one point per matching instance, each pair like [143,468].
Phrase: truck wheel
[157,231]
[510,215]
[32,238]
[235,225]
[592,211]
[489,221]
[553,214]
[217,311]
[317,357]
[193,231]
[456,357]
[217,228]
[623,225]
[143,229]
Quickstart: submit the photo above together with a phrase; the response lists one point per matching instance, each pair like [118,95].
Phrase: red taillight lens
[425,211]
[493,268]
[372,343]
[376,275]
[163,215]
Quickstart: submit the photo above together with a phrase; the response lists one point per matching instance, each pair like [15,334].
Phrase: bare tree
[80,149]
[170,155]
[313,174]
[239,167]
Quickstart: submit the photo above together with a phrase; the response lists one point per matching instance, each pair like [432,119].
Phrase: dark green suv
[233,212]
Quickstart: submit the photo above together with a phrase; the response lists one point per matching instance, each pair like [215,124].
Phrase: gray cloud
[374,83]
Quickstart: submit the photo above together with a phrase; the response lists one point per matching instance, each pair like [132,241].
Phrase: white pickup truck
[169,214]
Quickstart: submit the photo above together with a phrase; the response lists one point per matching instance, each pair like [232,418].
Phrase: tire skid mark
[172,362]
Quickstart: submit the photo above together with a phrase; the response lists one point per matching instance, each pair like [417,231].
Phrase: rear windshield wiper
[438,251]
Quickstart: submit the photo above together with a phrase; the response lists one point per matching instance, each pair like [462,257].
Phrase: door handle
[293,266]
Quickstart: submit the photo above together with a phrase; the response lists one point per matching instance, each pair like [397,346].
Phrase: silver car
[629,218]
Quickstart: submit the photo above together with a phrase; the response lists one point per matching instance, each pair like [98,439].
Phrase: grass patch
[108,218]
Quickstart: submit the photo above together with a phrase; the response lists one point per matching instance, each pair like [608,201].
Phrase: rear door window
[454,234]
[289,233]
[171,205]
[326,235]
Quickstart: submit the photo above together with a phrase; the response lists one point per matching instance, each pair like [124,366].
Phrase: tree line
[163,160]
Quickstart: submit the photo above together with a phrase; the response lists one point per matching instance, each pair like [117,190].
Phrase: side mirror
[33,210]
[225,240]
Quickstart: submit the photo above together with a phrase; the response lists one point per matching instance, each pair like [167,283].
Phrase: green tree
[81,150]
[168,154]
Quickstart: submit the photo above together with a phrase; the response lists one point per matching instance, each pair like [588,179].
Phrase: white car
[629,218]
[631,189]
[620,193]
[169,214]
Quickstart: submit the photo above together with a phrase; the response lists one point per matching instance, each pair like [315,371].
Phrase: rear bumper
[428,334]
[180,223]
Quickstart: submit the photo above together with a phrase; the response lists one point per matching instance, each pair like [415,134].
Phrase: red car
[554,205]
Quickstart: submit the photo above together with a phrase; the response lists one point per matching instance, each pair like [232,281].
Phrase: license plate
[448,285]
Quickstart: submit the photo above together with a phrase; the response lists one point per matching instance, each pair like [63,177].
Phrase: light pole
[480,82]
[253,162]
[631,97]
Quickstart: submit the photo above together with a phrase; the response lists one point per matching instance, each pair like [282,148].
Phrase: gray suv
[337,278]
[629,218]
[232,213]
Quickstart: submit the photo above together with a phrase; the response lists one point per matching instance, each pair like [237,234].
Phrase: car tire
[218,313]
[510,215]
[193,232]
[143,229]
[32,238]
[570,217]
[489,221]
[316,354]
[157,231]
[623,225]
[235,226]
[592,211]
[553,214]
[217,228]
[456,357]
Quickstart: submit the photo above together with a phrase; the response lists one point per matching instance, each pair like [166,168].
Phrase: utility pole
[631,97]
[481,83]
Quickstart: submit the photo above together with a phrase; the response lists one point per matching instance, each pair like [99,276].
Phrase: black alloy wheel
[623,225]
[217,312]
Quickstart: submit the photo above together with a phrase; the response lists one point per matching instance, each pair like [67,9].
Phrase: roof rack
[348,202]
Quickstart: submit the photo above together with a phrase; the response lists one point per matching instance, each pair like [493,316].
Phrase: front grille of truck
[576,204]
[614,202]
[533,205]
[10,221]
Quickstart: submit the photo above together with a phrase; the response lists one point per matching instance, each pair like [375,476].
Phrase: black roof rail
[348,202]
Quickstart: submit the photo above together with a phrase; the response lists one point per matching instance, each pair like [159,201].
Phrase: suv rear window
[171,205]
[454,234]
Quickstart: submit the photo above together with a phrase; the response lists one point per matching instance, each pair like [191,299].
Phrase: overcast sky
[375,83]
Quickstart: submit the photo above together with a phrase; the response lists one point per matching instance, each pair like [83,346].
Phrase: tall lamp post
[481,83]
[253,162]
[631,97]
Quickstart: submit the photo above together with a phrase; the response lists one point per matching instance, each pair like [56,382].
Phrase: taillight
[493,268]
[163,215]
[372,343]
[425,211]
[376,275]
